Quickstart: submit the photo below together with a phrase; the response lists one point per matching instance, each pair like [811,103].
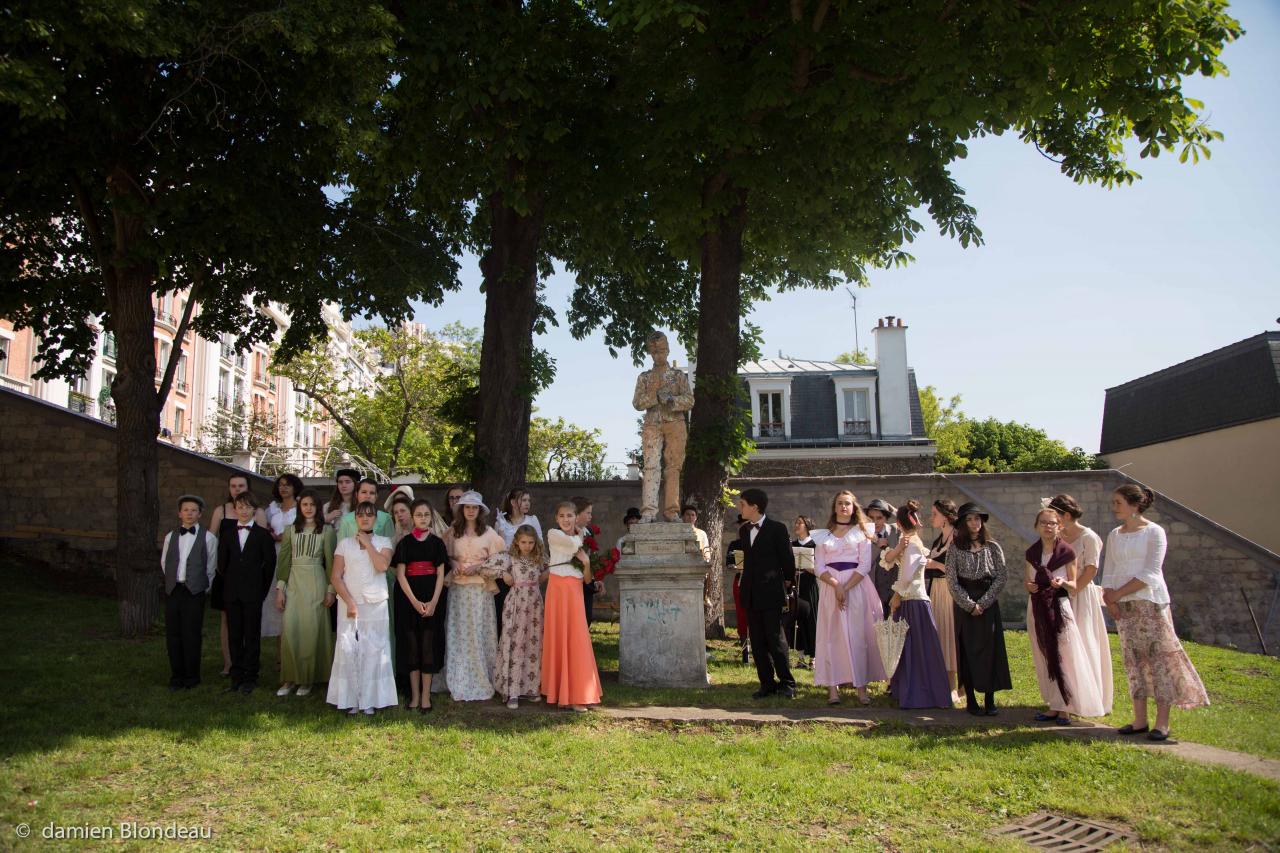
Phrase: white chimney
[891,368]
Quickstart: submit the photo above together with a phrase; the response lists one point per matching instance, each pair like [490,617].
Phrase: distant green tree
[406,423]
[564,451]
[856,357]
[966,446]
[946,425]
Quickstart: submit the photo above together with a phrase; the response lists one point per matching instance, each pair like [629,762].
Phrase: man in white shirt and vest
[188,559]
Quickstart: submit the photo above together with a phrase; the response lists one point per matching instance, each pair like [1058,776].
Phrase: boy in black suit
[767,563]
[246,562]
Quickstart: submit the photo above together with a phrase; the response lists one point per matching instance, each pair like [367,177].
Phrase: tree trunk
[137,422]
[716,394]
[506,382]
[132,316]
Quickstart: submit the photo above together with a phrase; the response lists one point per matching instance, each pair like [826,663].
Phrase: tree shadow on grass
[67,675]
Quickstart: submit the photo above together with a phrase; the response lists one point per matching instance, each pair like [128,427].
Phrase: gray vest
[197,564]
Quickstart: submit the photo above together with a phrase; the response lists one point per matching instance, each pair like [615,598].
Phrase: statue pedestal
[661,638]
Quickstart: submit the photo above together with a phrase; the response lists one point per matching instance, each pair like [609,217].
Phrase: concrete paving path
[868,718]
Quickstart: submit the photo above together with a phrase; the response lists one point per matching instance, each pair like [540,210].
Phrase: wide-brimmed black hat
[972,509]
[882,505]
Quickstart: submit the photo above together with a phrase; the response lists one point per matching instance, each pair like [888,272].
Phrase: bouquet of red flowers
[602,564]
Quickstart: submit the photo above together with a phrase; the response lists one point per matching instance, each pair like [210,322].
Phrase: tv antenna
[853,297]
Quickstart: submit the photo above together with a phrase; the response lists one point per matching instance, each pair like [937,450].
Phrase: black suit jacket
[246,572]
[767,564]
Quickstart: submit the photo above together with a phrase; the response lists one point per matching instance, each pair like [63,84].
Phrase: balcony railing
[180,385]
[227,352]
[857,428]
[773,429]
[79,403]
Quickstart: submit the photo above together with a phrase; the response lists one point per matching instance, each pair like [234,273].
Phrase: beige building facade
[1206,433]
[1231,475]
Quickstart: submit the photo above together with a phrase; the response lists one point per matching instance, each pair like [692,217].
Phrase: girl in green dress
[303,591]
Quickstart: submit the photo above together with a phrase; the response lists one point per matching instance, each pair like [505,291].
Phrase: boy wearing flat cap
[188,560]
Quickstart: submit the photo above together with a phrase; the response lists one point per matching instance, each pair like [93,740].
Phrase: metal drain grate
[1045,831]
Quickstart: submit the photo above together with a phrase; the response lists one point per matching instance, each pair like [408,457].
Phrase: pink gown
[846,650]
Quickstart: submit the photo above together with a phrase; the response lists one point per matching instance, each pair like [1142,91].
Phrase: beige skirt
[1154,661]
[944,616]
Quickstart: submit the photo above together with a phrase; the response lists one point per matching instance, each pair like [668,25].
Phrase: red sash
[420,568]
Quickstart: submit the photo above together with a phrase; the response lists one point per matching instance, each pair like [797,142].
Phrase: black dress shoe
[1158,736]
[1128,729]
[247,688]
[789,692]
[762,693]
[975,710]
[991,712]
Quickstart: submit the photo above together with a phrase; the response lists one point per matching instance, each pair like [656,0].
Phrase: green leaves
[969,446]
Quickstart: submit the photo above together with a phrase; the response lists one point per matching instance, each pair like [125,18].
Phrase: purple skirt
[920,681]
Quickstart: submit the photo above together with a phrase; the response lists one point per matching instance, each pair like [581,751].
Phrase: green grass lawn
[90,735]
[1244,690]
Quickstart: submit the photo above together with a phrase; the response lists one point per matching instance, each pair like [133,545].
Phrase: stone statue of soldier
[664,395]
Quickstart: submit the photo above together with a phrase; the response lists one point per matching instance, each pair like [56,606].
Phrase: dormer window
[857,413]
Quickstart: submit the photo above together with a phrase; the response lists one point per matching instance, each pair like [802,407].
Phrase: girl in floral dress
[519,672]
[471,633]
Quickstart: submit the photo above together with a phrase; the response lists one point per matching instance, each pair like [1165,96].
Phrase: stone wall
[836,466]
[59,509]
[59,506]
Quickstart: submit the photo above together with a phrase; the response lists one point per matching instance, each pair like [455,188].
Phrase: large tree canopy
[797,145]
[156,145]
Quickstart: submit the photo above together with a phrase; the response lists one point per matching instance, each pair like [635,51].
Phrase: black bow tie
[186,530]
[757,524]
[243,526]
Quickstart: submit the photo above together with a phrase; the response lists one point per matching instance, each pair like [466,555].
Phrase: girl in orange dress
[569,675]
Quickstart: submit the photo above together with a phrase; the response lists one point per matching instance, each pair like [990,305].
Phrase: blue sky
[1075,290]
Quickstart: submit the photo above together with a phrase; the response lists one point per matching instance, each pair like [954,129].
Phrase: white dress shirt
[243,531]
[755,528]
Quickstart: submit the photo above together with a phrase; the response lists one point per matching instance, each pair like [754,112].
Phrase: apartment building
[211,378]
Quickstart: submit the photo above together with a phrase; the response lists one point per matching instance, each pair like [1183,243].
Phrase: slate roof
[1234,385]
[813,405]
[791,366]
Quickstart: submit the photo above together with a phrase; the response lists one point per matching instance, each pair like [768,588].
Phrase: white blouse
[910,583]
[279,519]
[1138,555]
[503,525]
[366,585]
[562,549]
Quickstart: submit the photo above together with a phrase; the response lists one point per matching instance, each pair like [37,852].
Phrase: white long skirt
[362,675]
[1086,697]
[1092,625]
[272,619]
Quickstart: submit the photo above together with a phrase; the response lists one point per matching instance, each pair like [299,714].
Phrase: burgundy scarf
[1046,603]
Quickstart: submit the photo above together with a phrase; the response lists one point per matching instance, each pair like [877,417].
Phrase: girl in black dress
[975,575]
[420,560]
